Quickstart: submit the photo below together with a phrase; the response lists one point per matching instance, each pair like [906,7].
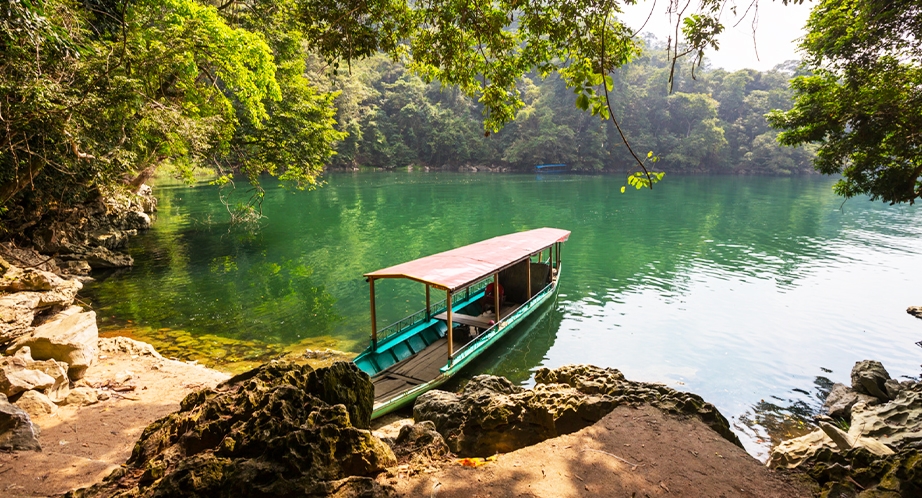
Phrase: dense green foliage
[863,102]
[714,123]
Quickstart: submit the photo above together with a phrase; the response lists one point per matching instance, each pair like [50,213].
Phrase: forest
[712,123]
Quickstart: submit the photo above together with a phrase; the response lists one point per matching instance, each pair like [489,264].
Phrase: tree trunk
[142,178]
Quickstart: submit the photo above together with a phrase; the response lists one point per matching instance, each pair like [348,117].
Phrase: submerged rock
[17,432]
[492,415]
[279,430]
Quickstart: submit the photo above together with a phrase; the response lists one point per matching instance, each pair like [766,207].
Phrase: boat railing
[486,334]
[421,316]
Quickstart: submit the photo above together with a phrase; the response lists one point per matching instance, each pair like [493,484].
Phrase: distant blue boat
[551,168]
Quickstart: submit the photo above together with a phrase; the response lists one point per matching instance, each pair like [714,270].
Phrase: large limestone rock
[36,404]
[17,311]
[278,430]
[28,279]
[492,415]
[878,428]
[72,340]
[17,432]
[21,373]
[841,399]
[862,474]
[870,377]
[16,375]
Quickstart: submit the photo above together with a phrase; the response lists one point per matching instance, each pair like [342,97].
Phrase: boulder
[870,377]
[419,443]
[110,239]
[126,345]
[841,399]
[860,473]
[137,220]
[62,295]
[262,433]
[17,311]
[16,376]
[36,404]
[28,279]
[791,453]
[492,415]
[72,340]
[53,369]
[100,257]
[81,396]
[17,432]
[76,267]
[915,311]
[593,380]
[896,423]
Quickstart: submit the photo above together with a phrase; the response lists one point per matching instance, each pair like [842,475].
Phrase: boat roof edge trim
[457,268]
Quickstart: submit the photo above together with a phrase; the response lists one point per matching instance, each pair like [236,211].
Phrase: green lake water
[755,293]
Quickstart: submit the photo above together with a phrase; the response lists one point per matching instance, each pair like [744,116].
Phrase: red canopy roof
[458,268]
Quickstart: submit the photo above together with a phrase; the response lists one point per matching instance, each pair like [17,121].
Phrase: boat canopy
[458,268]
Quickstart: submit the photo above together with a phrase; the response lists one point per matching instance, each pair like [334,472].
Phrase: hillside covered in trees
[713,123]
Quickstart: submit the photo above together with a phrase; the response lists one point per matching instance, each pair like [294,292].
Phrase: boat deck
[424,366]
[418,369]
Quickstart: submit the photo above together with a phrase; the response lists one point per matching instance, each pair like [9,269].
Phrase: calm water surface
[755,293]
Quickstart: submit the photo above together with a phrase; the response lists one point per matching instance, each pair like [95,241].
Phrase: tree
[863,102]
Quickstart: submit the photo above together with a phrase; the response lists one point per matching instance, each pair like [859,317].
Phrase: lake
[755,293]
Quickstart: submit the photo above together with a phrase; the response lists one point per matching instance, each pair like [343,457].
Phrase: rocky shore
[869,442]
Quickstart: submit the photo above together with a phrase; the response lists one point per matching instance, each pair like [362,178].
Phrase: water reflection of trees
[302,273]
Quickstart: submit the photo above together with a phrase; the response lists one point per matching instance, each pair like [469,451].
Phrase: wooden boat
[421,351]
[551,168]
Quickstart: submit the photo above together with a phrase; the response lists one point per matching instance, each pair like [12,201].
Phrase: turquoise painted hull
[371,361]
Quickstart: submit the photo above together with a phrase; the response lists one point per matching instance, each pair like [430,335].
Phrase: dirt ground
[81,445]
[632,452]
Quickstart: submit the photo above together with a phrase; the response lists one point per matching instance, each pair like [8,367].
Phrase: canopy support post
[558,256]
[374,325]
[496,294]
[528,274]
[428,308]
[451,345]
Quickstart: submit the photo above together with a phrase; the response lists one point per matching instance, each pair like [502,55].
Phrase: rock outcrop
[492,415]
[17,432]
[28,296]
[71,339]
[279,430]
[862,429]
[858,473]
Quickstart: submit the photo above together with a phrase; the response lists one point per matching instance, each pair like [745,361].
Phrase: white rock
[72,340]
[82,396]
[16,376]
[36,404]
